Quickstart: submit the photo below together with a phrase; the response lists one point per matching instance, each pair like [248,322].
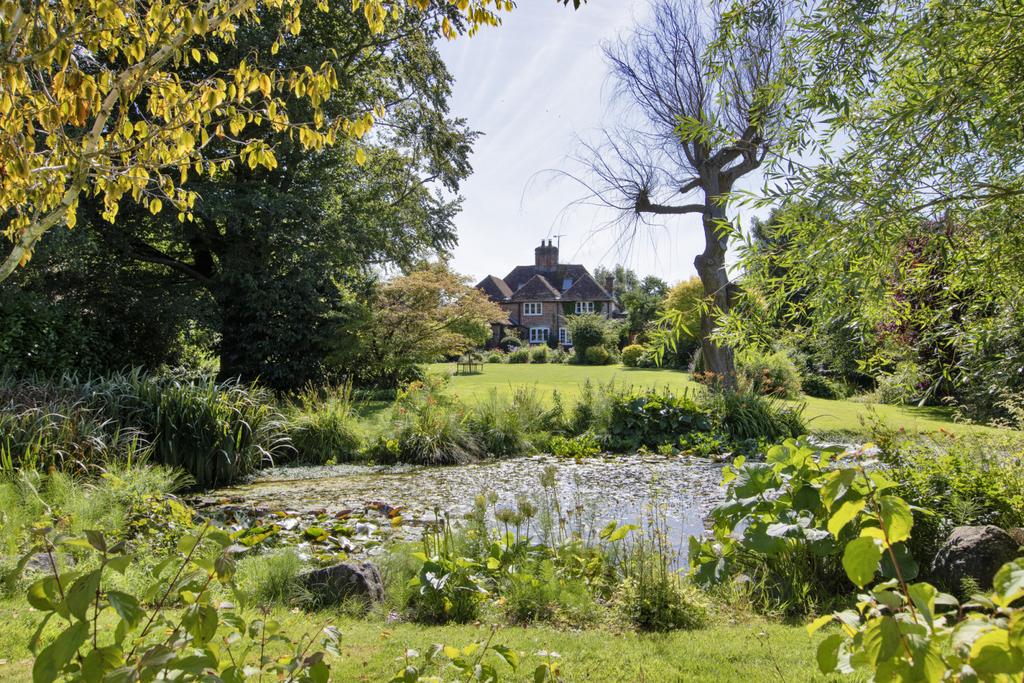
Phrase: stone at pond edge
[341,582]
[974,552]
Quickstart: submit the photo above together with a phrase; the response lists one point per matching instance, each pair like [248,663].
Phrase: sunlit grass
[822,415]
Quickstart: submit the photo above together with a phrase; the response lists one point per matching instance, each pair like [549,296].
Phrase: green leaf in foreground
[860,560]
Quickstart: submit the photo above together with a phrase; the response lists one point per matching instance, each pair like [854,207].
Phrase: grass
[822,415]
[371,648]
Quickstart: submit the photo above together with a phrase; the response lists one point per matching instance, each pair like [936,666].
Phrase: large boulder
[973,552]
[344,582]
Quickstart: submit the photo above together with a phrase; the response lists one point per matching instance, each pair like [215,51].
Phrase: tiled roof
[586,289]
[520,275]
[537,288]
[495,288]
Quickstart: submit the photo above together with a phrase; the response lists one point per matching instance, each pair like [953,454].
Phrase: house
[539,298]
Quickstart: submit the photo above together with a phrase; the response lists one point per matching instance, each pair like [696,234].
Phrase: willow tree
[700,112]
[95,97]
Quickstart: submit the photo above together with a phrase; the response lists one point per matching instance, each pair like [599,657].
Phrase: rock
[342,582]
[1017,534]
[973,552]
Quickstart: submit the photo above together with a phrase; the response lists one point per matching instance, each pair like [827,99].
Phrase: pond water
[614,488]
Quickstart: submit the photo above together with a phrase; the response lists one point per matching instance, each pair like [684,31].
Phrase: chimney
[546,256]
[609,284]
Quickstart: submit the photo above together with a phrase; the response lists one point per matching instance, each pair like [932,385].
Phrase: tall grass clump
[511,426]
[745,416]
[428,427]
[323,425]
[216,432]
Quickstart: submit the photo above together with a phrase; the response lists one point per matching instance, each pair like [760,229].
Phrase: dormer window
[584,307]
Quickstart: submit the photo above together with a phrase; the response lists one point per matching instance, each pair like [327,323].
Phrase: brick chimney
[609,284]
[546,256]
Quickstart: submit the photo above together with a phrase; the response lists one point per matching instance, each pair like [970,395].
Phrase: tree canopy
[103,97]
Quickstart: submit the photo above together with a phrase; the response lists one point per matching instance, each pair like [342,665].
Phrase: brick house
[538,298]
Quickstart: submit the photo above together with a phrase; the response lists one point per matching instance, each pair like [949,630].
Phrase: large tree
[701,111]
[123,99]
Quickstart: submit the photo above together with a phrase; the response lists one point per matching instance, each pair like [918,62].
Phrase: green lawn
[822,415]
[750,650]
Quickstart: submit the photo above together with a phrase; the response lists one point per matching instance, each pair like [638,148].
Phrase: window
[584,307]
[564,337]
[566,283]
[534,308]
[539,335]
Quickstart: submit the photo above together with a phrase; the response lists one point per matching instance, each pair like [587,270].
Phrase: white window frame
[539,335]
[533,308]
[564,336]
[585,307]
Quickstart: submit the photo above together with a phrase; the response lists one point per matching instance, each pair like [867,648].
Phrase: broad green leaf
[860,560]
[507,655]
[828,653]
[55,656]
[1008,583]
[923,597]
[992,654]
[82,593]
[897,518]
[126,606]
[846,513]
[813,627]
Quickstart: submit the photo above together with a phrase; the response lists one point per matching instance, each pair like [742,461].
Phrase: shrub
[745,416]
[217,432]
[583,446]
[495,358]
[631,355]
[820,386]
[509,342]
[597,355]
[965,480]
[559,356]
[904,385]
[651,419]
[323,426]
[508,427]
[539,355]
[772,374]
[592,330]
[519,356]
[273,578]
[428,428]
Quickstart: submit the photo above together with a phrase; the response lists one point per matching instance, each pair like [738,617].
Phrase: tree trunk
[718,358]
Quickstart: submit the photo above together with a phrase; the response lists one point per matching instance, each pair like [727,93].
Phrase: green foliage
[904,385]
[447,586]
[510,341]
[632,354]
[819,386]
[428,427]
[539,355]
[506,427]
[589,331]
[967,480]
[478,661]
[216,432]
[596,355]
[651,419]
[519,356]
[495,357]
[744,416]
[323,425]
[768,374]
[172,629]
[585,445]
[272,578]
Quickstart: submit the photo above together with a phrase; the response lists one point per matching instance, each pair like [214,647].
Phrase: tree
[709,110]
[422,317]
[277,253]
[101,97]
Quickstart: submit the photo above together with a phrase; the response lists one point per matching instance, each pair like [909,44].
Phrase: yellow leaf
[360,156]
[155,205]
[212,56]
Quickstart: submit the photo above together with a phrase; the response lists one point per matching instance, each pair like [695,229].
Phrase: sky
[534,87]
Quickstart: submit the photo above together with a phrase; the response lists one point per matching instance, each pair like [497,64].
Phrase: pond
[361,501]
